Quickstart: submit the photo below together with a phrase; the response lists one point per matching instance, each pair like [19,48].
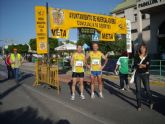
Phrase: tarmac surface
[24,104]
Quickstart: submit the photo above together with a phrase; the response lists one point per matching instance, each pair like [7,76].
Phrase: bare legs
[100,86]
[81,88]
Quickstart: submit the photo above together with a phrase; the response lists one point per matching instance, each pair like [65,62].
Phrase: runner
[96,68]
[77,62]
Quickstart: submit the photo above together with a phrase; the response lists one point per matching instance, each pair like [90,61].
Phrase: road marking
[68,106]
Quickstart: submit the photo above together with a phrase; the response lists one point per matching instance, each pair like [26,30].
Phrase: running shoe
[82,96]
[92,96]
[72,97]
[101,95]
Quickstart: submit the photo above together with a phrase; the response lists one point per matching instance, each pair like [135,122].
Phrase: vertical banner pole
[48,45]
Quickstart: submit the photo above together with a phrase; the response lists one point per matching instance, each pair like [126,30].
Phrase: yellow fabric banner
[41,29]
[66,19]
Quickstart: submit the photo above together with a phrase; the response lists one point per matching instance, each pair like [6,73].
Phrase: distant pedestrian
[8,65]
[142,74]
[16,61]
[122,66]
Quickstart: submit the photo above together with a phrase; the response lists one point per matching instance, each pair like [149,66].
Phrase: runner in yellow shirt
[77,62]
[96,68]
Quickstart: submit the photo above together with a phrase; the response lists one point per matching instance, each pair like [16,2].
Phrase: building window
[135,16]
[134,31]
[146,28]
[143,16]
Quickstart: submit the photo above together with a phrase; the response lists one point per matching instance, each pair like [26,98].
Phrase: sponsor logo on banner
[121,26]
[58,16]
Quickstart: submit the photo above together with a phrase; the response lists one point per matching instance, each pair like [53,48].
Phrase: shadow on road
[24,76]
[111,87]
[26,115]
[158,99]
[8,91]
[76,88]
[3,80]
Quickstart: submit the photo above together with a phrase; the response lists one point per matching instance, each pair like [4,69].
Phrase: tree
[20,48]
[85,39]
[32,44]
[53,43]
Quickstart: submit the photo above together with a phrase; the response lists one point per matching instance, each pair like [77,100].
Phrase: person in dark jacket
[8,65]
[142,65]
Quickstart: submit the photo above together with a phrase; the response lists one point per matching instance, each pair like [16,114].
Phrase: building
[148,22]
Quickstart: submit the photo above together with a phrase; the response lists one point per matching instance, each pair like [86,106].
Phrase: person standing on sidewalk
[142,74]
[77,62]
[8,65]
[122,66]
[96,68]
[16,61]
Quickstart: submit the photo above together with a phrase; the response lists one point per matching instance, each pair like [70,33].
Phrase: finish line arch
[62,20]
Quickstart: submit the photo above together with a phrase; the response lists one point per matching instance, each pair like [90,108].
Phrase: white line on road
[69,106]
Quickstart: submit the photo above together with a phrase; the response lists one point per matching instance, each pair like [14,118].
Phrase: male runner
[77,62]
[96,68]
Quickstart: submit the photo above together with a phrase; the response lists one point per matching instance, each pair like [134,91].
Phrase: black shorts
[80,75]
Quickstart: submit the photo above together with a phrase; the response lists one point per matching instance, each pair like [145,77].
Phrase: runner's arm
[71,61]
[106,60]
[117,65]
[86,59]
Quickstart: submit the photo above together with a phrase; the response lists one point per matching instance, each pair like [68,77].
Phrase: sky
[17,19]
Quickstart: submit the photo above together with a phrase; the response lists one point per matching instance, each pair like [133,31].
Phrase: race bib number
[95,62]
[79,63]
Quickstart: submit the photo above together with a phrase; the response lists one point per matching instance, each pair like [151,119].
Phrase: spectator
[8,65]
[122,66]
[142,64]
[16,61]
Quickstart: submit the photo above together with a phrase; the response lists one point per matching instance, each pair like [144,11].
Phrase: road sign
[86,30]
[96,36]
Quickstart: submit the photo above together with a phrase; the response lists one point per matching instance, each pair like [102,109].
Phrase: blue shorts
[96,73]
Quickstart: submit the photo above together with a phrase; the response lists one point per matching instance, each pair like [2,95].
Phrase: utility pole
[48,45]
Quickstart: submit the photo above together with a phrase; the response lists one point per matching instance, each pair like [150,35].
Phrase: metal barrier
[47,74]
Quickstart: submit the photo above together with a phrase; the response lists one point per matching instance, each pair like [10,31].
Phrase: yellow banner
[41,29]
[66,19]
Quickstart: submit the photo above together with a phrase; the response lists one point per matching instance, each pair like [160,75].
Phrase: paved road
[24,104]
